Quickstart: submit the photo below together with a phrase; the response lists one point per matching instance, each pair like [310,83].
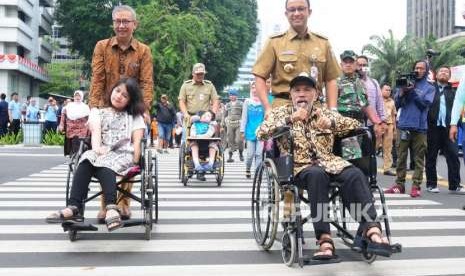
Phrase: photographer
[415,96]
[51,118]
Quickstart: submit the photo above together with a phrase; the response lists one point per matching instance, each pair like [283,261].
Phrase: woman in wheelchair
[203,126]
[316,166]
[116,134]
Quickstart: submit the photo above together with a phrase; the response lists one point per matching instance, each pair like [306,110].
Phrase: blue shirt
[32,113]
[442,108]
[51,114]
[15,108]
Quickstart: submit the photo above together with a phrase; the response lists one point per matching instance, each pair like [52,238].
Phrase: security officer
[232,120]
[296,50]
[352,98]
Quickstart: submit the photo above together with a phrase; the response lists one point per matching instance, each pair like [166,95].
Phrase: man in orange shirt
[115,58]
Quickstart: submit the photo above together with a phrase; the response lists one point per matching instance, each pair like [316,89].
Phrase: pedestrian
[166,116]
[439,117]
[232,121]
[414,98]
[3,115]
[32,111]
[121,56]
[51,118]
[113,153]
[287,54]
[252,117]
[390,129]
[73,122]
[14,113]
[154,131]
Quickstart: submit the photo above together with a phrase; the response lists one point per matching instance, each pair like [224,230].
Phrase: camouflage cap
[348,54]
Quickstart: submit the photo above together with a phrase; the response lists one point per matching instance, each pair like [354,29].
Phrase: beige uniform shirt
[390,110]
[197,96]
[285,56]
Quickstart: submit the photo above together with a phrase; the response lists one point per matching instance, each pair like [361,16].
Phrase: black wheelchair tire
[289,248]
[266,236]
[220,174]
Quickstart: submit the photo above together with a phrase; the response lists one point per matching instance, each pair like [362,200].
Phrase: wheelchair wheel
[181,156]
[265,205]
[72,235]
[368,257]
[289,249]
[155,185]
[220,174]
[183,167]
[148,202]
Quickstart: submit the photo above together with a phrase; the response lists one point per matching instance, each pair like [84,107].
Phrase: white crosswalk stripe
[203,229]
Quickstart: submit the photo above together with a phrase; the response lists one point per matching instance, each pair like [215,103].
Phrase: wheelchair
[274,178]
[145,173]
[186,164]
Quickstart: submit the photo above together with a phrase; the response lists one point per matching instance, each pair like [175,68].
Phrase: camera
[432,53]
[406,79]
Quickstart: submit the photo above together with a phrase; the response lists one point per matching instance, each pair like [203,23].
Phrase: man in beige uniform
[297,50]
[197,95]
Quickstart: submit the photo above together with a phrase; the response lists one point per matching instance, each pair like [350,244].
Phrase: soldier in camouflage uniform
[232,121]
[313,127]
[352,98]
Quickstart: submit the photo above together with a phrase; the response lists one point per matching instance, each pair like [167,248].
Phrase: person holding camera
[51,118]
[414,95]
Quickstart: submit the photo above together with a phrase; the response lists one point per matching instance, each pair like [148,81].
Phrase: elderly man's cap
[348,54]
[303,78]
[198,68]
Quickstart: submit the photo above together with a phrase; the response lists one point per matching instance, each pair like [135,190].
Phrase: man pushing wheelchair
[313,129]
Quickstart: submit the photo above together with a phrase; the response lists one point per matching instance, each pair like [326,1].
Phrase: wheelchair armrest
[281,131]
[355,132]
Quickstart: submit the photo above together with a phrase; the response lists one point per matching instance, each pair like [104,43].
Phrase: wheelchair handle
[281,131]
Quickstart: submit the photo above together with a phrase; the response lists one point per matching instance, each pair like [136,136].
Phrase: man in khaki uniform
[197,95]
[297,50]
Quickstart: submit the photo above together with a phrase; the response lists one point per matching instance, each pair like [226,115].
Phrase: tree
[64,78]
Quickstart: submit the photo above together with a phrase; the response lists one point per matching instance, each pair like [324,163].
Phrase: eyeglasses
[296,9]
[124,22]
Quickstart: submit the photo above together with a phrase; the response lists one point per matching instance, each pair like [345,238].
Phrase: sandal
[382,248]
[112,218]
[326,244]
[60,216]
[101,216]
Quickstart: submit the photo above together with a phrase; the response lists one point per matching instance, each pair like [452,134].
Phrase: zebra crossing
[203,229]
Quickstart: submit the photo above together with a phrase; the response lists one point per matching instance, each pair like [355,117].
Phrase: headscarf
[77,110]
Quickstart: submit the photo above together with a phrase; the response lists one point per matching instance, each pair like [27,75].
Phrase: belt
[354,115]
[284,96]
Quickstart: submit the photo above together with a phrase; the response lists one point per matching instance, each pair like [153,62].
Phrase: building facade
[431,17]
[25,28]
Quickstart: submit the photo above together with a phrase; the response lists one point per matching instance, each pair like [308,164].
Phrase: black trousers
[354,190]
[438,139]
[81,180]
[15,126]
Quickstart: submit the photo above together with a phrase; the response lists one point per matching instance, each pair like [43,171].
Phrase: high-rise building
[25,27]
[431,17]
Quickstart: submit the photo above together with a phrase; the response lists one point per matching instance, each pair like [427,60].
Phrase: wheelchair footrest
[396,248]
[309,261]
[78,226]
[133,222]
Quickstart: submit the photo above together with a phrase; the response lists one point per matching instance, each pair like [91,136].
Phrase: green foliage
[11,138]
[392,56]
[64,77]
[53,138]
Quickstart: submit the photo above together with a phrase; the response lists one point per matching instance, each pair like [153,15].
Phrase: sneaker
[166,151]
[201,176]
[159,151]
[395,189]
[459,191]
[432,189]
[415,192]
[198,168]
[248,174]
[389,172]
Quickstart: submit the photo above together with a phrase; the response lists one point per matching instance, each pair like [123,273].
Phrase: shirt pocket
[190,94]
[288,62]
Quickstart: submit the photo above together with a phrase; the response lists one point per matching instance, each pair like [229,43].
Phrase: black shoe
[230,159]
[201,177]
[248,174]
[394,165]
[391,173]
[241,157]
